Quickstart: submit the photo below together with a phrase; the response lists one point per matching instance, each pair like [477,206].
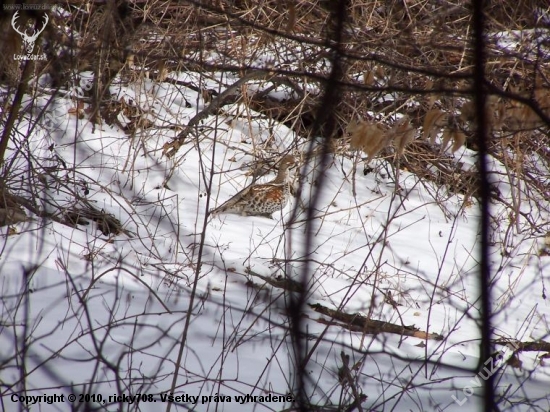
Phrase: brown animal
[262,199]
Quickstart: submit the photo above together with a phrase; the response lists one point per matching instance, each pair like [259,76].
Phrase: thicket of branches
[387,84]
[414,60]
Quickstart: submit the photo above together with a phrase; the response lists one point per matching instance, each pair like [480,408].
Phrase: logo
[28,41]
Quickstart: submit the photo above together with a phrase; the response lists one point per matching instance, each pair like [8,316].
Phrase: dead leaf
[402,134]
[431,97]
[380,72]
[445,139]
[291,18]
[459,140]
[368,78]
[371,138]
[515,362]
[433,122]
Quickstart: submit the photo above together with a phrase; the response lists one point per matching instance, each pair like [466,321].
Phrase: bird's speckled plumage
[262,199]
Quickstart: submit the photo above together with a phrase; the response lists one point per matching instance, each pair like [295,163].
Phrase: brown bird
[262,199]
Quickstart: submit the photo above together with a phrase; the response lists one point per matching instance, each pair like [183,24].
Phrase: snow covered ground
[104,315]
